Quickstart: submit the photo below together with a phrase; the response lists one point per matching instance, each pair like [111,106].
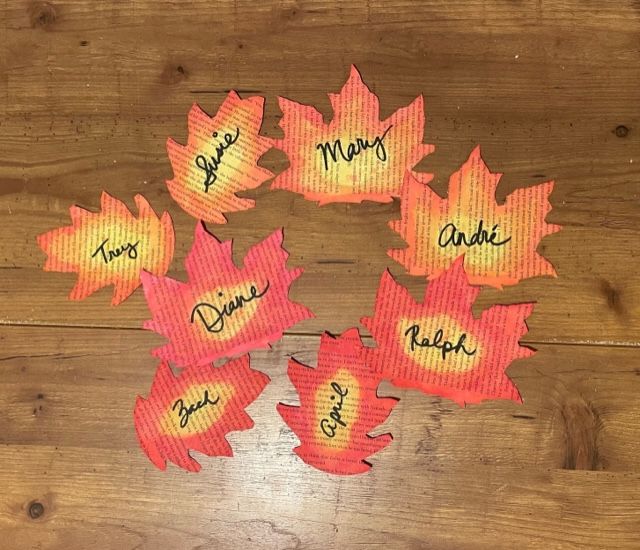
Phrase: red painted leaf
[339,406]
[438,347]
[223,310]
[195,411]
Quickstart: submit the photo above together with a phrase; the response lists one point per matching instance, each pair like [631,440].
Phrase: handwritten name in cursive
[210,165]
[445,346]
[450,234]
[335,150]
[213,316]
[108,254]
[330,425]
[184,412]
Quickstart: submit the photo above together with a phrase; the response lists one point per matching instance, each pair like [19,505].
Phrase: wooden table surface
[89,92]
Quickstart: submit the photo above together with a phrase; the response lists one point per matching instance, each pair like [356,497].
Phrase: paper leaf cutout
[195,411]
[356,156]
[110,247]
[223,310]
[339,406]
[438,347]
[498,241]
[219,159]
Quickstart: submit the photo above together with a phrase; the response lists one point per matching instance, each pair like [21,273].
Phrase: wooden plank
[559,471]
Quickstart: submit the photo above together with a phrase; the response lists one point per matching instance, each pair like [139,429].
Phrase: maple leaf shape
[498,241]
[339,406]
[438,347]
[110,247]
[223,310]
[195,411]
[356,156]
[219,159]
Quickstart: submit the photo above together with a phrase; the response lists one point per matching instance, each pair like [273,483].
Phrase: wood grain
[89,92]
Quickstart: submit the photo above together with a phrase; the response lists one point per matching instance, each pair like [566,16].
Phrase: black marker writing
[450,234]
[185,412]
[111,254]
[330,425]
[437,342]
[210,166]
[336,150]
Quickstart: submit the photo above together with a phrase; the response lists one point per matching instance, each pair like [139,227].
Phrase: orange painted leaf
[356,156]
[195,411]
[339,406]
[438,347]
[219,159]
[498,240]
[223,310]
[110,247]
